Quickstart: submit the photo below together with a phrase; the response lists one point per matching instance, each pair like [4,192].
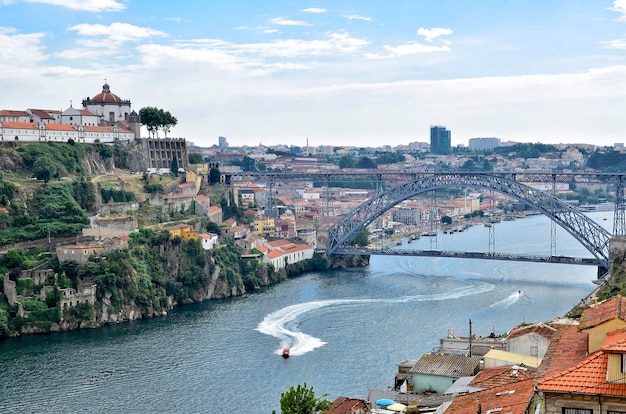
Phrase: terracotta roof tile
[44,113]
[586,377]
[615,341]
[274,254]
[11,112]
[345,405]
[568,346]
[510,398]
[494,377]
[539,329]
[613,308]
[20,125]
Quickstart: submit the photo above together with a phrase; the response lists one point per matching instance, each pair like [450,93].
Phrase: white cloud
[85,5]
[357,17]
[286,22]
[174,19]
[116,32]
[619,6]
[430,34]
[255,58]
[12,55]
[616,44]
[314,10]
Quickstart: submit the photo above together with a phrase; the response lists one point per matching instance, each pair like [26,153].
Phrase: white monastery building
[104,118]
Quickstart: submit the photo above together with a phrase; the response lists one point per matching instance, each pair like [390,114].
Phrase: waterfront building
[440,140]
[406,215]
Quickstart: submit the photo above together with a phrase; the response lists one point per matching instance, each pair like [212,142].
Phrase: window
[623,356]
[577,411]
[534,351]
[615,412]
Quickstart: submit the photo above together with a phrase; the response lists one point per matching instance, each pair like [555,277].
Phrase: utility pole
[470,337]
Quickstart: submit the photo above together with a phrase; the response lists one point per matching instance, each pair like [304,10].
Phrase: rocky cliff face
[94,164]
[345,261]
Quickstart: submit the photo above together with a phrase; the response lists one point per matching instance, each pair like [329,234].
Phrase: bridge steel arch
[590,234]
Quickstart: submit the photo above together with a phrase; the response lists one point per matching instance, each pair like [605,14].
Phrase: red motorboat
[285,352]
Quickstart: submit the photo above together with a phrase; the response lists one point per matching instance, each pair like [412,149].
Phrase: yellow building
[265,226]
[183,230]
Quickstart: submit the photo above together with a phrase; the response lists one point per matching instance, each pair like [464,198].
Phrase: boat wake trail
[508,301]
[283,323]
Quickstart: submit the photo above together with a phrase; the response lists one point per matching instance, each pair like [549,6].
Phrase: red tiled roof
[63,127]
[586,377]
[494,377]
[274,254]
[20,125]
[214,209]
[86,112]
[510,398]
[201,197]
[539,329]
[10,112]
[613,308]
[345,405]
[278,243]
[44,113]
[615,341]
[568,346]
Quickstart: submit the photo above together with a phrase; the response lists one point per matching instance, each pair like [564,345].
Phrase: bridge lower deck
[472,255]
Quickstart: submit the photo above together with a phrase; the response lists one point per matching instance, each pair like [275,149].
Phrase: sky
[341,72]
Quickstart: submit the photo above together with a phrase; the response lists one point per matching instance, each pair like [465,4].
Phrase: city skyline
[334,73]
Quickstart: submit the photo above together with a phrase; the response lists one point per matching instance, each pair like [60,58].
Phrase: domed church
[108,106]
[112,109]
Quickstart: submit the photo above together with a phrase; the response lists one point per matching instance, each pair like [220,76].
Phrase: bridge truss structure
[393,187]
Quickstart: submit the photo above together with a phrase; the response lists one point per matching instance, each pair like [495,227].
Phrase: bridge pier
[617,253]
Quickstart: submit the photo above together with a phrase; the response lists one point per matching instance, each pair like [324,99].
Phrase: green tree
[45,168]
[366,162]
[214,176]
[362,239]
[346,161]
[156,119]
[247,164]
[167,121]
[302,400]
[212,228]
[195,158]
[174,166]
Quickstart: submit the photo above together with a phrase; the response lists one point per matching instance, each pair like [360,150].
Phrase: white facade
[40,132]
[73,116]
[483,144]
[209,240]
[108,107]
[281,257]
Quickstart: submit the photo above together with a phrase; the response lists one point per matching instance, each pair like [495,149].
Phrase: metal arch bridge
[590,234]
[413,182]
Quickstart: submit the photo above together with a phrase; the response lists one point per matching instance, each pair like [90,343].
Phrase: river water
[347,330]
